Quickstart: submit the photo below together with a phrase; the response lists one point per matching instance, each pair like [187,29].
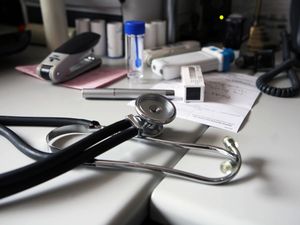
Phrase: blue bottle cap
[228,57]
[134,27]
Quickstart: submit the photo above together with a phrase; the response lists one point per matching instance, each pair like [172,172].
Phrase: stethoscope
[153,112]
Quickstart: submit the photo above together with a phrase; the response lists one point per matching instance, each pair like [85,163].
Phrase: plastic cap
[228,57]
[134,27]
[228,52]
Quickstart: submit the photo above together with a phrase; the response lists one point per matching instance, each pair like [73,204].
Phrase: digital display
[193,93]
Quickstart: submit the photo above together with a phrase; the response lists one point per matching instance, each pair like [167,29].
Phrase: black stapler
[70,59]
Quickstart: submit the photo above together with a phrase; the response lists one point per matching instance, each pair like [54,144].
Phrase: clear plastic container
[134,46]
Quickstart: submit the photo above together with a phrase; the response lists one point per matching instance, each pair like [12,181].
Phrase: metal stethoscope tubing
[230,167]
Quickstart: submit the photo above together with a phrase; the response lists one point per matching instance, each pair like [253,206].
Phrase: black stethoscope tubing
[101,139]
[23,146]
[52,165]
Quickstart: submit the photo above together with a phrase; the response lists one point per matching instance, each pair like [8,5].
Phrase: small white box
[193,83]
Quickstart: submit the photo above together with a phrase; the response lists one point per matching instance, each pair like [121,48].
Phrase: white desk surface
[265,192]
[81,196]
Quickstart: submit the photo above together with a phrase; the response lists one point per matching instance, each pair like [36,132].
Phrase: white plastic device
[168,50]
[209,59]
[193,83]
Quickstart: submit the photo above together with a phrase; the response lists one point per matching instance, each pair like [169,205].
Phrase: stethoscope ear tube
[230,167]
[84,150]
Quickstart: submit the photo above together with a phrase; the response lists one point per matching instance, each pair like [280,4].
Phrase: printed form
[228,99]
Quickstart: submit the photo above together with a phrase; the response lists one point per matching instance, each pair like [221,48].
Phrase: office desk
[81,196]
[265,192]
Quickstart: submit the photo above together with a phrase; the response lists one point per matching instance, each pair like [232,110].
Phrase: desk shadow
[172,134]
[256,166]
[258,172]
[74,188]
[245,121]
[249,113]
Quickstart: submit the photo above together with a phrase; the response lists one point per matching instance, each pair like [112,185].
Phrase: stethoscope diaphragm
[155,109]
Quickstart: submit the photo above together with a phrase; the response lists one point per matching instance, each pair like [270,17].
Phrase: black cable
[262,81]
[36,173]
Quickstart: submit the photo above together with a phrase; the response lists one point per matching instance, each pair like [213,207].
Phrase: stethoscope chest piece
[154,111]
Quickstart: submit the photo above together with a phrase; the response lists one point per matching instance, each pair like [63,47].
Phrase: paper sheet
[98,77]
[228,99]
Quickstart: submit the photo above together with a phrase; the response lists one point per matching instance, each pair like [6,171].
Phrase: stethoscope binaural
[153,112]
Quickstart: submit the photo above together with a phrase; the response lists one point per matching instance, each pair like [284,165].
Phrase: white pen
[122,93]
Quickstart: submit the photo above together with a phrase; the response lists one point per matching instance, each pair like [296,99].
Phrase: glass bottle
[134,46]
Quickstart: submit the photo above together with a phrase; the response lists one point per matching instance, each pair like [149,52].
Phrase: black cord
[262,81]
[70,157]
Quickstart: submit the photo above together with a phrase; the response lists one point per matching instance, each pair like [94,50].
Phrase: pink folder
[98,77]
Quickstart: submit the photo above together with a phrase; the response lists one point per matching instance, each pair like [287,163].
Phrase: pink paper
[98,77]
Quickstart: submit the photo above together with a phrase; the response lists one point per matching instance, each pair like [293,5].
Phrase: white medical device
[193,84]
[168,50]
[209,59]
